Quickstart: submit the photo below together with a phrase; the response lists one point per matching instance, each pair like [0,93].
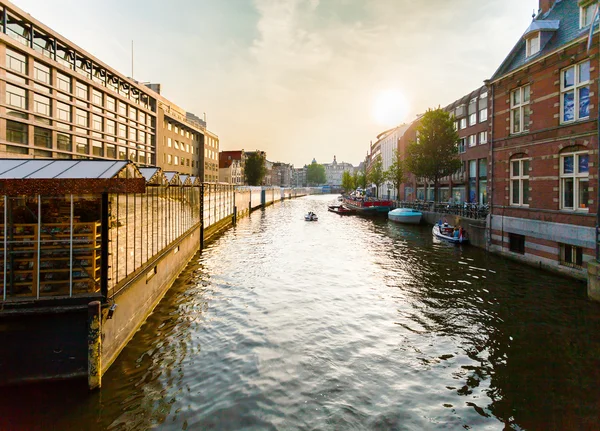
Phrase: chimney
[545,5]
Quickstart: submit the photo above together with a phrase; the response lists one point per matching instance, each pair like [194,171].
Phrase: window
[122,131]
[110,103]
[169,159]
[575,92]
[176,130]
[533,45]
[111,151]
[463,123]
[41,105]
[176,160]
[516,243]
[586,13]
[169,142]
[483,115]
[461,146]
[63,111]
[97,149]
[41,72]
[63,142]
[81,145]
[472,140]
[132,113]
[176,144]
[473,119]
[110,127]
[16,132]
[520,111]
[456,125]
[483,138]
[81,117]
[16,61]
[16,96]
[571,255]
[519,182]
[97,97]
[132,134]
[122,153]
[169,126]
[122,109]
[97,122]
[574,181]
[63,82]
[42,137]
[81,90]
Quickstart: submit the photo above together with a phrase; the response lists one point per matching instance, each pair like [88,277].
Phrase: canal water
[343,324]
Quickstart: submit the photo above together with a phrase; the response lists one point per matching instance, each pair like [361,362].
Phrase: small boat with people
[311,216]
[340,209]
[453,234]
[405,215]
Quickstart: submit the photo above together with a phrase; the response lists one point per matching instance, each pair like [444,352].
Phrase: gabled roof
[173,178]
[566,13]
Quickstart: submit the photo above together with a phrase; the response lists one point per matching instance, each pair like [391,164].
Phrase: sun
[390,108]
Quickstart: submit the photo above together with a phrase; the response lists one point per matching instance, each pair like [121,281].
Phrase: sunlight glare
[391,108]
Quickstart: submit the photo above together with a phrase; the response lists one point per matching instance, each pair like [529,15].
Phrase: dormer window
[586,13]
[533,45]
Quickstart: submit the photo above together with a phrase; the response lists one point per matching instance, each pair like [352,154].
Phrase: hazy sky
[298,78]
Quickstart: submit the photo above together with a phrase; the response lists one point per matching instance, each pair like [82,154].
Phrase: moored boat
[405,215]
[368,206]
[340,209]
[446,232]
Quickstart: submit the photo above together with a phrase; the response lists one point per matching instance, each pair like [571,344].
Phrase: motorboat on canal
[446,232]
[311,216]
[367,206]
[405,215]
[340,209]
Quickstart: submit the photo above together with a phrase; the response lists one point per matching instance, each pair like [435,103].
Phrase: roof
[51,177]
[566,13]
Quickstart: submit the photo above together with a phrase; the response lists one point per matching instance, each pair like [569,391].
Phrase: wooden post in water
[94,346]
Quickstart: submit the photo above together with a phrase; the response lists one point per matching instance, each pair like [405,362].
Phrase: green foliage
[361,178]
[376,175]
[348,181]
[435,153]
[315,174]
[254,169]
[395,173]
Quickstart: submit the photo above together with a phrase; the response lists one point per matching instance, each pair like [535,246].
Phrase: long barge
[368,206]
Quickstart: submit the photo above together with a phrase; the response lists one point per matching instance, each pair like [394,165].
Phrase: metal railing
[467,210]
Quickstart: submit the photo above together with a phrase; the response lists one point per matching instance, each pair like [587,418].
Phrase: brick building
[469,184]
[544,142]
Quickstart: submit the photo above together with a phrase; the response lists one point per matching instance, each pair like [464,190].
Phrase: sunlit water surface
[343,324]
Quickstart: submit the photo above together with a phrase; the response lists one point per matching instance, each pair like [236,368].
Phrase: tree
[434,155]
[361,177]
[315,174]
[395,173]
[254,169]
[348,183]
[376,175]
[355,180]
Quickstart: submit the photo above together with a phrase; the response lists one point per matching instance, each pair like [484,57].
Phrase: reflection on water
[348,324]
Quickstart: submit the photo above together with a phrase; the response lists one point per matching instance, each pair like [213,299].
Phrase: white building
[334,172]
[388,144]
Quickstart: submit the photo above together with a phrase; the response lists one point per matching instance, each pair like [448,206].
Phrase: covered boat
[405,215]
[340,209]
[368,206]
[446,232]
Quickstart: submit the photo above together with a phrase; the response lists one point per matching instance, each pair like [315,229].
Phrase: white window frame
[577,178]
[483,115]
[586,12]
[463,123]
[521,178]
[472,140]
[575,89]
[473,119]
[520,107]
[483,138]
[533,44]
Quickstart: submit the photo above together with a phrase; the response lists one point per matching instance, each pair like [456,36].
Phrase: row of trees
[432,156]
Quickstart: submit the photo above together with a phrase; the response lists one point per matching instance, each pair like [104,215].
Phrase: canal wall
[476,229]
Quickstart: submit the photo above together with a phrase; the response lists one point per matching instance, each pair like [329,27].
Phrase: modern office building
[59,101]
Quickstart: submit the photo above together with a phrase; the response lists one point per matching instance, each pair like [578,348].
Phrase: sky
[299,79]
